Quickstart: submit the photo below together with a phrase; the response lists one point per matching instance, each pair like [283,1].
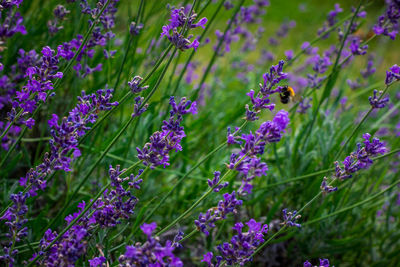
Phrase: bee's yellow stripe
[291,91]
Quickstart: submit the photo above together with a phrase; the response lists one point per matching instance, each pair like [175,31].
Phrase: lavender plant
[306,173]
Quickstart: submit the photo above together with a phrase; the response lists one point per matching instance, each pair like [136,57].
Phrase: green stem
[353,206]
[198,201]
[214,56]
[355,130]
[180,180]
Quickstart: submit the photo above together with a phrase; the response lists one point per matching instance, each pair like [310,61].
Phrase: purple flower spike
[214,183]
[151,252]
[241,246]
[356,49]
[393,74]
[377,101]
[322,263]
[361,159]
[327,188]
[290,218]
[156,152]
[173,30]
[135,85]
[207,221]
[388,24]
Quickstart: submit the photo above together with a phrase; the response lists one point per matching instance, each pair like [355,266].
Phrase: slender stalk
[208,25]
[355,130]
[180,180]
[333,75]
[73,222]
[127,95]
[131,38]
[198,201]
[354,205]
[113,141]
[214,56]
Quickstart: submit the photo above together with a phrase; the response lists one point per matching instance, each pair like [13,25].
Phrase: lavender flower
[226,206]
[60,12]
[355,47]
[290,218]
[107,211]
[241,246]
[393,74]
[326,187]
[304,105]
[320,66]
[40,82]
[135,29]
[151,252]
[64,142]
[322,263]
[330,21]
[388,23]
[135,85]
[378,101]
[248,15]
[12,21]
[98,261]
[156,152]
[361,159]
[177,21]
[99,37]
[369,70]
[15,220]
[214,183]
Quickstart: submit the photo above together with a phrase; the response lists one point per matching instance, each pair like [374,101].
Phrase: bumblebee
[286,94]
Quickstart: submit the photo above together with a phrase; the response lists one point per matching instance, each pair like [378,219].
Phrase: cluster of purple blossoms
[60,12]
[64,142]
[282,32]
[12,21]
[65,137]
[304,105]
[173,31]
[330,21]
[214,183]
[135,29]
[322,263]
[360,159]
[226,206]
[248,163]
[136,86]
[290,218]
[369,70]
[107,211]
[15,220]
[356,48]
[38,86]
[378,101]
[241,246]
[388,23]
[393,74]
[151,252]
[99,37]
[320,66]
[262,99]
[248,15]
[8,89]
[156,152]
